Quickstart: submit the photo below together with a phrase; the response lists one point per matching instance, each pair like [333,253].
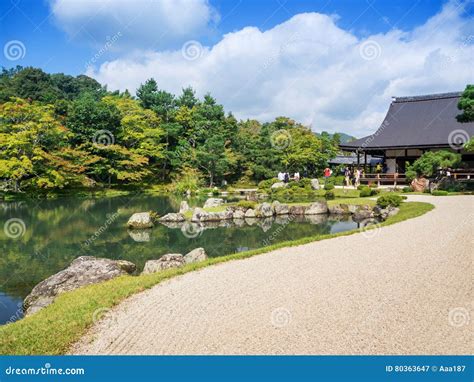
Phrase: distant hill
[344,137]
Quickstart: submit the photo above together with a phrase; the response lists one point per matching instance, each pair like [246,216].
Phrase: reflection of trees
[56,231]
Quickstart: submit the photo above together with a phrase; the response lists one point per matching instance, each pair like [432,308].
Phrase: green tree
[430,162]
[34,147]
[89,119]
[466,104]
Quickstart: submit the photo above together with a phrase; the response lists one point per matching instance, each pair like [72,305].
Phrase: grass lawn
[53,329]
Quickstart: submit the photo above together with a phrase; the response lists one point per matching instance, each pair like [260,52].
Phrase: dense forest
[58,131]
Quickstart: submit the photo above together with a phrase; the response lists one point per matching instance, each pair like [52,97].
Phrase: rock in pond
[172,217]
[279,208]
[195,256]
[250,213]
[362,213]
[140,220]
[339,209]
[170,260]
[84,270]
[297,210]
[213,202]
[264,210]
[317,208]
[239,214]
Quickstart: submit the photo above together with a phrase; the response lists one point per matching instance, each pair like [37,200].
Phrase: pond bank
[73,312]
[391,292]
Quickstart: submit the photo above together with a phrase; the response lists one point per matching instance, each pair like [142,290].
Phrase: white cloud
[311,70]
[143,24]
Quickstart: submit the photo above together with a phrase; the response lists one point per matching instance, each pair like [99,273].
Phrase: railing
[384,179]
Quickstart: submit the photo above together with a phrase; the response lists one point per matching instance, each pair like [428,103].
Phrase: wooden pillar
[365,162]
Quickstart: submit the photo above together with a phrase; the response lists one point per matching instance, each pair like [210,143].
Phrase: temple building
[412,126]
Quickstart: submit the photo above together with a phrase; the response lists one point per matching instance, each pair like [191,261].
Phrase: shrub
[373,185]
[361,186]
[439,193]
[215,191]
[246,204]
[329,195]
[329,186]
[365,191]
[407,189]
[188,179]
[386,200]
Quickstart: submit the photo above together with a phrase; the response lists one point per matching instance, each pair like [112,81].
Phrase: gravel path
[405,290]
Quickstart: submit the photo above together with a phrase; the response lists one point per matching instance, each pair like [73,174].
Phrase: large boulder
[250,213]
[239,214]
[317,208]
[387,212]
[279,208]
[84,270]
[170,260]
[197,214]
[140,220]
[339,209]
[200,215]
[264,210]
[297,210]
[195,256]
[315,184]
[279,185]
[184,207]
[213,202]
[420,184]
[362,213]
[172,217]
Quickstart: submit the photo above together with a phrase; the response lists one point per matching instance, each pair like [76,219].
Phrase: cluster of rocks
[362,212]
[261,211]
[87,270]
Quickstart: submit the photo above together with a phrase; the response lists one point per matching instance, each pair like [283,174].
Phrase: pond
[41,237]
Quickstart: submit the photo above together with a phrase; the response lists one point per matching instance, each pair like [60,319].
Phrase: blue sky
[331,64]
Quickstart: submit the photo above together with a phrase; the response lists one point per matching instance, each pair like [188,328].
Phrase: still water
[41,237]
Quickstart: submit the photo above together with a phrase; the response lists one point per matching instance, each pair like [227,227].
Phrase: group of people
[351,176]
[285,177]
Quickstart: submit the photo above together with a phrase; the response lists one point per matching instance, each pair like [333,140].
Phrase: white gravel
[406,290]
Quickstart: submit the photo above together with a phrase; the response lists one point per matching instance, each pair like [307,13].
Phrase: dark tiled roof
[420,121]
